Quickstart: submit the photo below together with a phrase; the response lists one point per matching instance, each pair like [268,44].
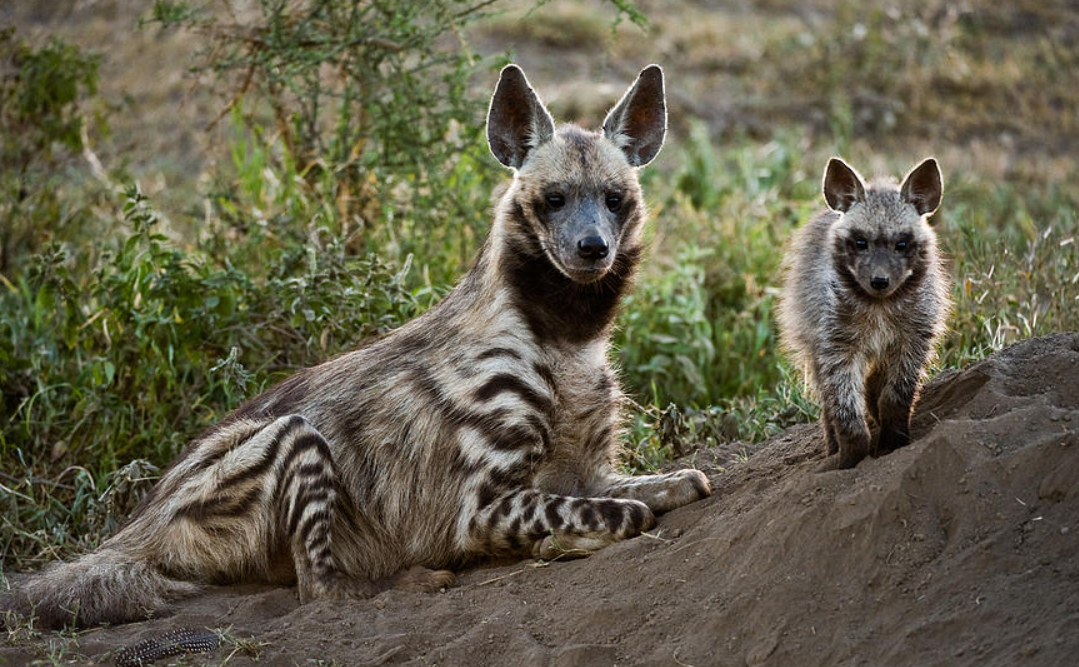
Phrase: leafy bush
[698,328]
[360,111]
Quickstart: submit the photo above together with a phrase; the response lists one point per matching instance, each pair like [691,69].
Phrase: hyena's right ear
[843,187]
[517,121]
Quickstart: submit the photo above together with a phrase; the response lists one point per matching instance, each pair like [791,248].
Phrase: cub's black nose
[879,283]
[592,247]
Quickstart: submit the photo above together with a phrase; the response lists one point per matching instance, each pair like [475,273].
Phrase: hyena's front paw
[565,546]
[597,523]
[423,579]
[672,490]
[662,493]
[688,486]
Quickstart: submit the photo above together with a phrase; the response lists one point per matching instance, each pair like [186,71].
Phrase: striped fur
[865,299]
[486,427]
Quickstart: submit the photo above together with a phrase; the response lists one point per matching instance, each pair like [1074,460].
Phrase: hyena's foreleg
[662,493]
[842,389]
[874,385]
[275,491]
[544,525]
[898,393]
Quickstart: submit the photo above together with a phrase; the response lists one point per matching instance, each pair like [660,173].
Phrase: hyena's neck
[555,309]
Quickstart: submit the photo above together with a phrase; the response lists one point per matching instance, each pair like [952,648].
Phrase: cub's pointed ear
[517,121]
[843,187]
[638,123]
[923,187]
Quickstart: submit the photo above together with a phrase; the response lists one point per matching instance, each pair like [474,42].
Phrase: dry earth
[959,549]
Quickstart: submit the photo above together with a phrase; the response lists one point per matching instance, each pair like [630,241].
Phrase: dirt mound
[960,549]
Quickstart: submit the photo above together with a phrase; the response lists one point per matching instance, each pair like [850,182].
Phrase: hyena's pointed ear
[843,187]
[923,187]
[638,123]
[517,121]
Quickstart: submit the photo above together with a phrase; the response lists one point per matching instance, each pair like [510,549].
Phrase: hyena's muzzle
[586,243]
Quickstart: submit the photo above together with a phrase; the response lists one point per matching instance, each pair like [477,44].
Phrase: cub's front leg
[900,388]
[842,389]
[544,525]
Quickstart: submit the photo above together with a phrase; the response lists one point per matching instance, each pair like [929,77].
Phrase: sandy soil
[960,549]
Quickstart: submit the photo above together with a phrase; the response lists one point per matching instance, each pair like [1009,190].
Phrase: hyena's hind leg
[662,493]
[312,508]
[277,491]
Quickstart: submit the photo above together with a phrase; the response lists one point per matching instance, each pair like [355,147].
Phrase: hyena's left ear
[517,121]
[638,123]
[923,187]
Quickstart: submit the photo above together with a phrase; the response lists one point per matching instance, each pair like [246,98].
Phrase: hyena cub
[865,297]
[485,427]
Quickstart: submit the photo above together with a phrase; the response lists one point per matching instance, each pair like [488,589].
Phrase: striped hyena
[486,427]
[864,300]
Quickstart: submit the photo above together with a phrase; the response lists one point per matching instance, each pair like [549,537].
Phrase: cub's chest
[878,332]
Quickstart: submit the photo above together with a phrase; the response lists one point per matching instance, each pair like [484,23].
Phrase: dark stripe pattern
[303,498]
[511,523]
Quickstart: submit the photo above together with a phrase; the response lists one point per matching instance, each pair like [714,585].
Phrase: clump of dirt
[959,549]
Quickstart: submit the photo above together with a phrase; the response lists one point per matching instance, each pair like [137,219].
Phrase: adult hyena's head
[575,198]
[882,241]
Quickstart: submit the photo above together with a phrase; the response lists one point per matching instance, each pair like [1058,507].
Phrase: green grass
[124,332]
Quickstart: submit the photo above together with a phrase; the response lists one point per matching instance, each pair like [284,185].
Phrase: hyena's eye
[901,245]
[861,244]
[556,200]
[614,202]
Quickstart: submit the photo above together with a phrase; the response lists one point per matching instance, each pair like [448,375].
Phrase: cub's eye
[901,245]
[861,244]
[556,200]
[614,202]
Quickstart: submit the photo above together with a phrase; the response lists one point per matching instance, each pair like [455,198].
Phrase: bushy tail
[106,586]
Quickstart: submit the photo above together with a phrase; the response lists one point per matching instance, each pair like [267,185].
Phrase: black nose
[879,283]
[592,247]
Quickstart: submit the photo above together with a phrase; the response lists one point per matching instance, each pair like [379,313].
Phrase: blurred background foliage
[200,198]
